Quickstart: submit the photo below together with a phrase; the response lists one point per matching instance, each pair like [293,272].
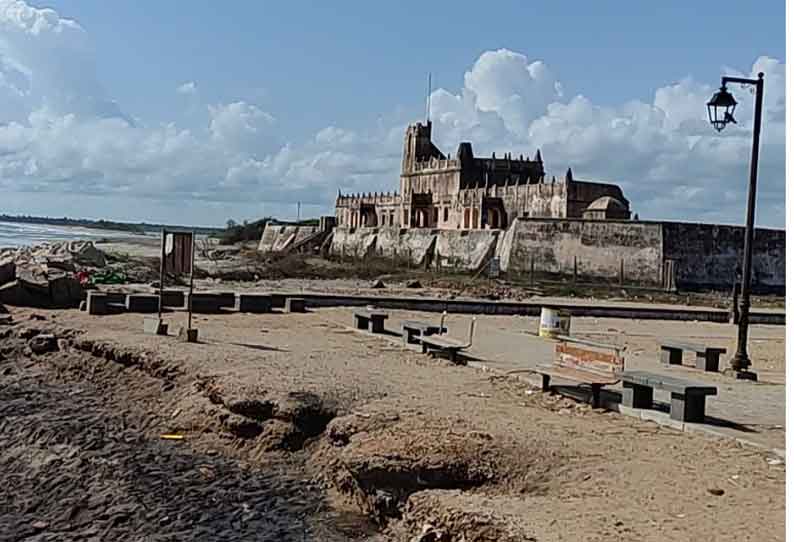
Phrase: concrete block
[188,335]
[295,304]
[212,302]
[174,298]
[97,302]
[154,326]
[143,303]
[116,297]
[257,303]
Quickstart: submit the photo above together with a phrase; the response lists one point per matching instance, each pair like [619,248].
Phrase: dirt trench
[81,422]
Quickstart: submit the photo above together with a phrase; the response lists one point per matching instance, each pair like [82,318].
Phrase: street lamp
[720,109]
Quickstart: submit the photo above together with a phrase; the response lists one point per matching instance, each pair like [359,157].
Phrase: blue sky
[281,98]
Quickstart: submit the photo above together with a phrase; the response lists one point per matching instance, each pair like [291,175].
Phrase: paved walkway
[752,412]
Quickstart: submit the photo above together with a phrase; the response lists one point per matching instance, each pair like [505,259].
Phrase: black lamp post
[720,108]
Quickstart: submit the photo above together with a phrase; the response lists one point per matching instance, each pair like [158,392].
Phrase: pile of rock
[44,275]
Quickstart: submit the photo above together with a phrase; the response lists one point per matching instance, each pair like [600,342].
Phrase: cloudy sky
[156,111]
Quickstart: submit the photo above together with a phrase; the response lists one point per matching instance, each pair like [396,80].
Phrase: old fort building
[465,212]
[467,192]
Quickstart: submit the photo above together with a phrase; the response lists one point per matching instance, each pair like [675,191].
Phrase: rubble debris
[43,343]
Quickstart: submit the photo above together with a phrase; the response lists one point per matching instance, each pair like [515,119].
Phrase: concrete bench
[371,320]
[708,357]
[451,347]
[146,303]
[578,360]
[412,329]
[209,303]
[255,303]
[96,302]
[174,298]
[687,398]
[295,304]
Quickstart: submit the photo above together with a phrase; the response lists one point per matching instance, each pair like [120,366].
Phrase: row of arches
[425,217]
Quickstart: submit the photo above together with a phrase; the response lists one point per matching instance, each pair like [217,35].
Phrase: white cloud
[665,155]
[188,89]
[61,134]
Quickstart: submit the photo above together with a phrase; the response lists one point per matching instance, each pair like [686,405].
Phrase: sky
[195,113]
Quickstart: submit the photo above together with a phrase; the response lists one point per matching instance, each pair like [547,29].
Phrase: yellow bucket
[554,322]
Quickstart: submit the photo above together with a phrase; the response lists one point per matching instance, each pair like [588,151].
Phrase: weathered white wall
[278,237]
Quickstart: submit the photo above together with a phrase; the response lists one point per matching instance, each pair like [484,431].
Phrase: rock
[39,525]
[85,253]
[413,284]
[43,343]
[27,332]
[378,284]
[429,534]
[716,491]
[8,270]
[65,291]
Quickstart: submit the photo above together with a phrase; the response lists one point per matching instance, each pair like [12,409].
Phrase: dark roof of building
[607,203]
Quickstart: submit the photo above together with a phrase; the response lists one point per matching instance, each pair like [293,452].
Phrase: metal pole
[190,293]
[741,360]
[162,275]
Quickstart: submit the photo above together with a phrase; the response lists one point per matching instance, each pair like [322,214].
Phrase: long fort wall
[705,255]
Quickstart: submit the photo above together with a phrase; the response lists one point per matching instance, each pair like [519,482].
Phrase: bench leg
[636,396]
[709,362]
[671,357]
[453,356]
[361,323]
[377,326]
[595,401]
[424,348]
[545,382]
[685,408]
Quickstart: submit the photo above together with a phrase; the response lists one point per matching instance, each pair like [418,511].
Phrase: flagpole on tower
[429,83]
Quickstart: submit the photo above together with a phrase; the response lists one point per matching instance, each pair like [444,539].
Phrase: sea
[14,234]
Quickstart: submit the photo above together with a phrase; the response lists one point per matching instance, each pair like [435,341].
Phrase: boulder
[8,270]
[85,253]
[65,291]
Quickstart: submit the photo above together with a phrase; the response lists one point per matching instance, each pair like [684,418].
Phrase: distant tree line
[141,227]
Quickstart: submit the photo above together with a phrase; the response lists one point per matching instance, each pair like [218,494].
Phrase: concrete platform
[254,303]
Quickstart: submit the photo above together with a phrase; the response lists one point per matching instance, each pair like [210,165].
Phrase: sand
[418,444]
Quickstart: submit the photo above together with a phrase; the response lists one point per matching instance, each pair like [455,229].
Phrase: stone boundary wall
[705,255]
[280,237]
[709,255]
[598,246]
[451,249]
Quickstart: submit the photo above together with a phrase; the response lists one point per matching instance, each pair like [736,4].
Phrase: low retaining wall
[704,255]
